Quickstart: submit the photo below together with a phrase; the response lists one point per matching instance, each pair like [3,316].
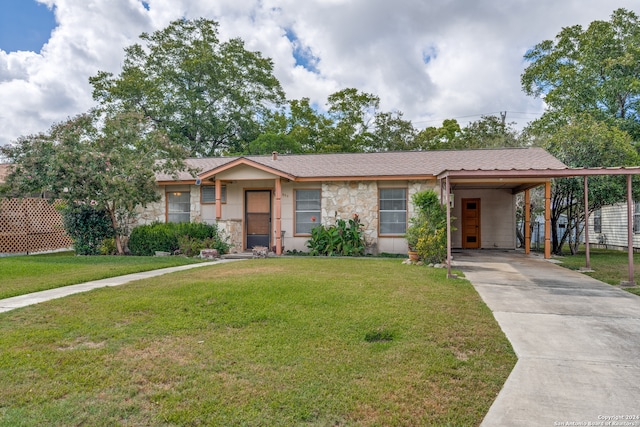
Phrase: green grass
[297,341]
[610,266]
[25,274]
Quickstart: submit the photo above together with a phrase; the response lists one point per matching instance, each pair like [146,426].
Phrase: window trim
[636,218]
[167,213]
[406,211]
[597,225]
[223,194]
[295,210]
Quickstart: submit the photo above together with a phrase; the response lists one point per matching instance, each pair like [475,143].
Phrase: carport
[518,181]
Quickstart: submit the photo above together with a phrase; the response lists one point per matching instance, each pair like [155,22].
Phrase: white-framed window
[597,221]
[208,194]
[393,211]
[178,206]
[308,211]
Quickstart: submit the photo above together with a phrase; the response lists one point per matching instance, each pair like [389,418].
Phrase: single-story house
[276,200]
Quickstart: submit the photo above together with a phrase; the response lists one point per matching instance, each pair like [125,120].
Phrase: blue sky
[25,25]
[429,59]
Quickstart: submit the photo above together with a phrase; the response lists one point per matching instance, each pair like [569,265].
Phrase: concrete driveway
[577,341]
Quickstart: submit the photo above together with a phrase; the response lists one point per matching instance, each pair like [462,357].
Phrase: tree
[105,161]
[210,96]
[444,137]
[353,114]
[586,142]
[488,132]
[594,71]
[590,81]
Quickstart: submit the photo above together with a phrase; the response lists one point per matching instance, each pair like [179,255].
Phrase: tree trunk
[114,223]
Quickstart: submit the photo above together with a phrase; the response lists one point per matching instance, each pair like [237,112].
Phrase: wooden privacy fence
[31,225]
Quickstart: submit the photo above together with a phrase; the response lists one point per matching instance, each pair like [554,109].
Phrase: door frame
[245,219]
[465,233]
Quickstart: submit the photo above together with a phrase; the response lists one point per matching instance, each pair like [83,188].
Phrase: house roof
[400,165]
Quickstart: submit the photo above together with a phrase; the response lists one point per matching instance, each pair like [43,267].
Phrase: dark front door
[470,223]
[257,217]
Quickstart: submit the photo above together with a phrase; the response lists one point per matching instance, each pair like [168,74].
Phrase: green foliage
[101,159]
[209,96]
[188,238]
[345,238]
[427,231]
[87,226]
[594,70]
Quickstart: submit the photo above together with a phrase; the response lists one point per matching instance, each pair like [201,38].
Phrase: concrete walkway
[577,342]
[37,297]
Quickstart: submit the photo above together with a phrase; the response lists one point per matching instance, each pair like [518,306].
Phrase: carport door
[257,217]
[470,223]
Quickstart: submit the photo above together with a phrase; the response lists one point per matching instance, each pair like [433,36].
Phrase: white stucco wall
[497,218]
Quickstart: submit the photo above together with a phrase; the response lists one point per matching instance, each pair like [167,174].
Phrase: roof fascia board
[539,173]
[367,178]
[244,161]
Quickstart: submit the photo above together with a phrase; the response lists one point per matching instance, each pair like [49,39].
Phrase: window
[178,206]
[597,221]
[307,210]
[636,217]
[393,211]
[208,194]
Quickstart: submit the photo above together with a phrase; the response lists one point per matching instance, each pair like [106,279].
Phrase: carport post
[447,195]
[630,229]
[547,219]
[586,223]
[527,222]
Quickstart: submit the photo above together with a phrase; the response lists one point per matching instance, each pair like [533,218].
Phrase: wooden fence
[31,225]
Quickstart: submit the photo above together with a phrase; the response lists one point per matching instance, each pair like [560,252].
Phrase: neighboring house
[276,200]
[608,226]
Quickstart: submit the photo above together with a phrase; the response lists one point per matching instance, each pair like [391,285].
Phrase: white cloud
[431,60]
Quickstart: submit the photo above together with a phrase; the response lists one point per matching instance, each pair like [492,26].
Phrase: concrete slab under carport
[577,341]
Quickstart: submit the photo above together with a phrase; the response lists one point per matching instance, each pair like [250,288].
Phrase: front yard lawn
[25,274]
[297,341]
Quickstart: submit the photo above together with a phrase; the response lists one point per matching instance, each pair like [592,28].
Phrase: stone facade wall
[232,230]
[153,212]
[343,199]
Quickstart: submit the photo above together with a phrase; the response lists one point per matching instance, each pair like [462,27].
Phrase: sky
[429,59]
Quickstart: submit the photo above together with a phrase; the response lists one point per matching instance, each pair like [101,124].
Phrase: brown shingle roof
[389,164]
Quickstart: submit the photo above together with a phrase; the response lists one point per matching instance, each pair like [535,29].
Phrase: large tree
[210,96]
[586,142]
[108,162]
[590,80]
[594,70]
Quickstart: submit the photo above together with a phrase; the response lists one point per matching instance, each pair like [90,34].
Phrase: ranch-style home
[276,200]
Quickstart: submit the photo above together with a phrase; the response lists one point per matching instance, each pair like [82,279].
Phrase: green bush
[187,238]
[427,232]
[87,226]
[342,239]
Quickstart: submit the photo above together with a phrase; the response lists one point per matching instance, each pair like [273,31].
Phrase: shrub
[173,237]
[427,233]
[344,238]
[87,226]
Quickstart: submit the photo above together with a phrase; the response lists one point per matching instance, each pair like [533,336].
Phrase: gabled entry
[257,218]
[470,223]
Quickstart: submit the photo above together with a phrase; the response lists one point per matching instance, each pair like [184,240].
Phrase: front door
[257,218]
[470,223]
